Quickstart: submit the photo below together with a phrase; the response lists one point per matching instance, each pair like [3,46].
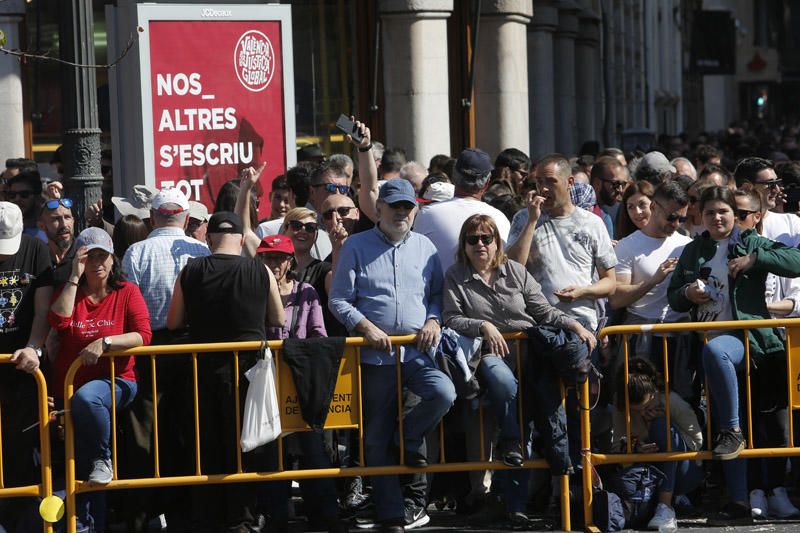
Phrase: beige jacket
[682,418]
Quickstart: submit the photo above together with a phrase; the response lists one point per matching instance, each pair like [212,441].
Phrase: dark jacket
[747,290]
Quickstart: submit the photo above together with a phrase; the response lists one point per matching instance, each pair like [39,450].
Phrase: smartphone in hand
[348,127]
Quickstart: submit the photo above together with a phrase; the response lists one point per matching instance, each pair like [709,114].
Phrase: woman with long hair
[635,211]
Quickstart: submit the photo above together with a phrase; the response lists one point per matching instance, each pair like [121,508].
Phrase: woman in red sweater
[94,312]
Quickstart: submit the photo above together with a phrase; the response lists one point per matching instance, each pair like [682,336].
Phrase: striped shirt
[154,265]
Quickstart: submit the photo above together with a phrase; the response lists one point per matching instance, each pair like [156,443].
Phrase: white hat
[170,196]
[198,211]
[439,191]
[10,228]
[138,204]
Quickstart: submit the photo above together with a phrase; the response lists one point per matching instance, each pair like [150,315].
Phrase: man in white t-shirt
[781,227]
[441,222]
[647,257]
[565,250]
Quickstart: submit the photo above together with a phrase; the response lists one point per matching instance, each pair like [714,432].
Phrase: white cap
[439,191]
[170,196]
[198,211]
[10,228]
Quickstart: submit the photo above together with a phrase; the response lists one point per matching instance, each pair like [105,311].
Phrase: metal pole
[81,136]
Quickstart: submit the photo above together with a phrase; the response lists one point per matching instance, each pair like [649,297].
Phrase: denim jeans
[378,382]
[497,378]
[91,416]
[723,356]
[682,477]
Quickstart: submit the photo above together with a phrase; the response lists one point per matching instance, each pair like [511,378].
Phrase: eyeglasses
[672,217]
[485,238]
[742,214]
[309,227]
[402,204]
[53,204]
[614,184]
[333,188]
[10,195]
[771,183]
[343,212]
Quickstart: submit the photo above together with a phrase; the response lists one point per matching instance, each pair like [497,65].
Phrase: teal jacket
[747,290]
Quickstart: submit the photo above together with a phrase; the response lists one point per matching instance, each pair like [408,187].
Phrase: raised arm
[367,172]
[250,177]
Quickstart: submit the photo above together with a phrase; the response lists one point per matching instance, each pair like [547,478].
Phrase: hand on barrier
[91,353]
[377,338]
[586,336]
[428,335]
[26,359]
[494,339]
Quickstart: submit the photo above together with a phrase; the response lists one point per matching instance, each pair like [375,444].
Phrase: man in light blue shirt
[154,264]
[388,281]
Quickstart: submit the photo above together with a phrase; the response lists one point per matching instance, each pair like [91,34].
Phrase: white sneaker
[102,472]
[758,504]
[664,517]
[780,506]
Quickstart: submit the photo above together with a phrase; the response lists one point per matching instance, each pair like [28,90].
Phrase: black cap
[225,222]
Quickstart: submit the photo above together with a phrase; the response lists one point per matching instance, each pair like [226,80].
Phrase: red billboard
[217,103]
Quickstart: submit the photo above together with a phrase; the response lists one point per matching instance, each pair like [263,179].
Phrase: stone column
[12,141]
[501,81]
[541,92]
[621,64]
[79,103]
[415,76]
[586,84]
[564,48]
[609,73]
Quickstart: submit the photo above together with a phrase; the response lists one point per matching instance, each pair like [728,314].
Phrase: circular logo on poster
[254,60]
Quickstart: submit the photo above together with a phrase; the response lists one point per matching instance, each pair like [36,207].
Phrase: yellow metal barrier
[346,413]
[792,328]
[43,489]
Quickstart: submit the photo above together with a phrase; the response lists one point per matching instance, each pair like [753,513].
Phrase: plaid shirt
[154,265]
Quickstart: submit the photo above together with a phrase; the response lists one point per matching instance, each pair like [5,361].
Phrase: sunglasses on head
[485,238]
[742,214]
[53,204]
[333,188]
[22,194]
[343,212]
[309,227]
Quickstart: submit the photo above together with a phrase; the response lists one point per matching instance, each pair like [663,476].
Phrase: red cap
[276,243]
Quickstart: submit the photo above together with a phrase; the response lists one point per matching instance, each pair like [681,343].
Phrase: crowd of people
[457,253]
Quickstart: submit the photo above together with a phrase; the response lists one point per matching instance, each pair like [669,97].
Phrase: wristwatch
[36,349]
[106,343]
[366,148]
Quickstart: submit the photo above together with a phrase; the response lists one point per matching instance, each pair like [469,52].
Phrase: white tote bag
[261,422]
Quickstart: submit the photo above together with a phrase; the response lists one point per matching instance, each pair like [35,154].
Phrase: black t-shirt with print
[20,276]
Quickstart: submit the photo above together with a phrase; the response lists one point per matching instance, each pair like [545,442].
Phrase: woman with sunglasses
[486,294]
[721,276]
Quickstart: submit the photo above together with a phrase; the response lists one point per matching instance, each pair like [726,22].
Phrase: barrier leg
[586,459]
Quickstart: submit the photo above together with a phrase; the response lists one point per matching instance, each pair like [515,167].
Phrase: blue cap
[474,163]
[397,190]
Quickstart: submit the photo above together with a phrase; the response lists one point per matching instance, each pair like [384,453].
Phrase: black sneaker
[511,452]
[355,498]
[416,517]
[732,514]
[728,445]
[520,522]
